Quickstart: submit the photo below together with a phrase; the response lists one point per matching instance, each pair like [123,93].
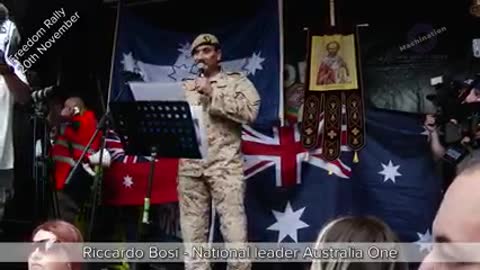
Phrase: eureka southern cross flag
[150,55]
[252,47]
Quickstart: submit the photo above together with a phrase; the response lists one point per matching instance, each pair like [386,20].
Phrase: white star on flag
[184,66]
[390,172]
[184,59]
[179,73]
[254,63]
[127,181]
[288,223]
[128,62]
[425,241]
[184,49]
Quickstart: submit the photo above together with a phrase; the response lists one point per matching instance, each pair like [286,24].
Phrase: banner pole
[114,51]
[281,112]
[332,13]
[103,126]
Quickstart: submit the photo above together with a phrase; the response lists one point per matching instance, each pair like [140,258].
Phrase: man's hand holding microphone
[202,84]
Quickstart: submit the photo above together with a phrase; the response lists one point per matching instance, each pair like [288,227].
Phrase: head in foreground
[457,221]
[47,256]
[356,230]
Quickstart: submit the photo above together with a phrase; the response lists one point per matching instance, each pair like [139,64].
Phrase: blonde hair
[356,230]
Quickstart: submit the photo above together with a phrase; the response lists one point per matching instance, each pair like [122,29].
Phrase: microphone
[201,69]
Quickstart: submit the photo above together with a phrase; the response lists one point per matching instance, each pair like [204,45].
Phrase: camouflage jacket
[234,102]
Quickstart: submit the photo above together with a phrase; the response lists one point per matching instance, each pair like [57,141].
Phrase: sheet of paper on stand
[200,130]
[156,91]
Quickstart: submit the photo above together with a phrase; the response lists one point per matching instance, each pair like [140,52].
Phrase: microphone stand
[40,162]
[97,183]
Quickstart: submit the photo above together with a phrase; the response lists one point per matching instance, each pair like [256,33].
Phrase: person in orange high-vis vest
[78,127]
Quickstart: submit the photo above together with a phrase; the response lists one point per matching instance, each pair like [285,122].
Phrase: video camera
[449,98]
[452,110]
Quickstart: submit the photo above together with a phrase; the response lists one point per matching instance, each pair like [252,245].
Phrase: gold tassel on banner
[355,157]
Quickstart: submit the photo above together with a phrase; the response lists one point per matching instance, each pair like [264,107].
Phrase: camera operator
[13,89]
[458,114]
[439,150]
[472,141]
[77,127]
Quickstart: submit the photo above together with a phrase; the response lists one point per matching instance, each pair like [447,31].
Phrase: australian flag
[396,178]
[291,194]
[252,47]
[290,191]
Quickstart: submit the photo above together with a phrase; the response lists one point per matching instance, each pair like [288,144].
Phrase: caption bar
[255,252]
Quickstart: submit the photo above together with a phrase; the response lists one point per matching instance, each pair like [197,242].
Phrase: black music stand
[156,129]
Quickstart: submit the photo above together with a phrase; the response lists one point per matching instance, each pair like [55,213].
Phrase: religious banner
[333,86]
[332,63]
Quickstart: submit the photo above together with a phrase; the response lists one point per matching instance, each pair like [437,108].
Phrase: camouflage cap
[204,39]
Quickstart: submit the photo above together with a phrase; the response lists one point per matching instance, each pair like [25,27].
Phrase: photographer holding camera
[472,141]
[439,150]
[458,114]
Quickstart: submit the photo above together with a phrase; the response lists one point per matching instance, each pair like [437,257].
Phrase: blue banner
[251,46]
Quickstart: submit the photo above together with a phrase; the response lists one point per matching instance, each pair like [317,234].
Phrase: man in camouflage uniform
[228,100]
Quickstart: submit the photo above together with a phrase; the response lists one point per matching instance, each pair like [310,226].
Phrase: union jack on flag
[283,149]
[116,149]
[291,191]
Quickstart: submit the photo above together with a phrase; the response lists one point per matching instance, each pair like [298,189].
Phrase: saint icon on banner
[333,63]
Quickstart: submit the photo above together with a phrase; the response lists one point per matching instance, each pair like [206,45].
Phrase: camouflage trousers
[6,190]
[227,193]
